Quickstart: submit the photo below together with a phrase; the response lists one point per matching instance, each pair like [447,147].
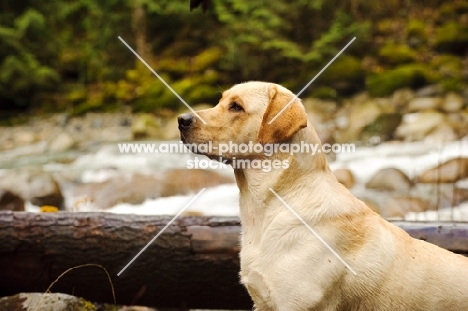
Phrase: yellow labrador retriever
[283,265]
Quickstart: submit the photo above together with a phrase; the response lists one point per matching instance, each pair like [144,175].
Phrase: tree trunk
[139,30]
[192,264]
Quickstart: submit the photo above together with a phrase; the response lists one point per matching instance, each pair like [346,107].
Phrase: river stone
[323,110]
[354,117]
[45,302]
[24,136]
[459,121]
[416,126]
[10,201]
[452,103]
[425,104]
[40,188]
[442,133]
[124,188]
[185,181]
[448,172]
[371,204]
[145,125]
[44,190]
[169,129]
[401,98]
[62,142]
[451,196]
[321,114]
[345,176]
[398,207]
[382,129]
[431,90]
[390,179]
[135,189]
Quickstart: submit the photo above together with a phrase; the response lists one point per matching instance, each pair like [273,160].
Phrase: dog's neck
[305,170]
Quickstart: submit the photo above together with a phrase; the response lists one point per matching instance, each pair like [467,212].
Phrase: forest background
[65,56]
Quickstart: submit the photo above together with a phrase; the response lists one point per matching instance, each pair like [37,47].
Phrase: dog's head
[248,113]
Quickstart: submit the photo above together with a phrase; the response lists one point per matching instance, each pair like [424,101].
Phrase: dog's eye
[236,107]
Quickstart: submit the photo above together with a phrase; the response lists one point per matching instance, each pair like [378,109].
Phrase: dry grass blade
[73,268]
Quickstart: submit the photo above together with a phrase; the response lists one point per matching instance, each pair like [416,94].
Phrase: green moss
[86,305]
[449,67]
[124,90]
[202,92]
[94,102]
[416,27]
[416,32]
[152,96]
[410,75]
[209,76]
[345,75]
[453,85]
[77,93]
[207,58]
[323,92]
[343,68]
[451,37]
[386,26]
[394,54]
[451,10]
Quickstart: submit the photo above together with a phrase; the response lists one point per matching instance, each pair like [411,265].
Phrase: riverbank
[74,163]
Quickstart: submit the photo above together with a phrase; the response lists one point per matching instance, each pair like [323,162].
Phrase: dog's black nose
[185,120]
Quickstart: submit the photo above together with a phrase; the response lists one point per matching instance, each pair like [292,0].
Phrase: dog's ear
[285,125]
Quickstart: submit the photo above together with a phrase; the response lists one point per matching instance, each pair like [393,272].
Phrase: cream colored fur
[286,268]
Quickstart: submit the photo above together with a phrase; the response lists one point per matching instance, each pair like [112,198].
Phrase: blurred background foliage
[65,55]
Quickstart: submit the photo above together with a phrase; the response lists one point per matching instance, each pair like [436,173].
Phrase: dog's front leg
[258,291]
[262,307]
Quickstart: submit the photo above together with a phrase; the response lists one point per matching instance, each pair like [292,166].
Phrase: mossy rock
[383,127]
[145,125]
[452,37]
[449,67]
[207,58]
[395,54]
[39,301]
[345,75]
[202,92]
[92,103]
[323,92]
[77,93]
[451,10]
[453,84]
[153,95]
[209,76]
[386,26]
[124,90]
[416,33]
[410,75]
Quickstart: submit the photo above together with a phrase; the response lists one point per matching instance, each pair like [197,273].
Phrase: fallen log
[192,264]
